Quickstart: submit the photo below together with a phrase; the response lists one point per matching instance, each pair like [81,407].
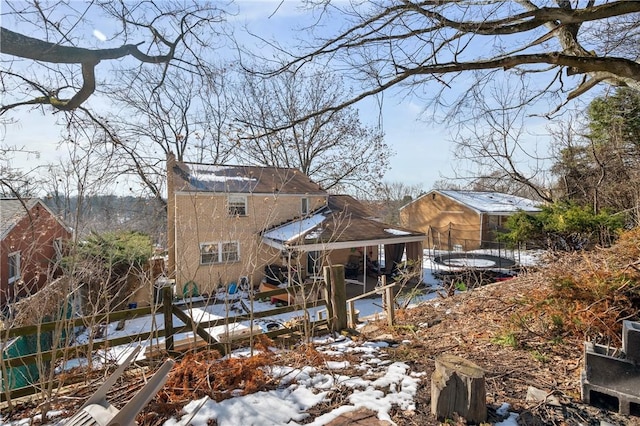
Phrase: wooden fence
[338,317]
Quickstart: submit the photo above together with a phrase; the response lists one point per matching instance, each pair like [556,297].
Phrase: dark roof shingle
[195,177]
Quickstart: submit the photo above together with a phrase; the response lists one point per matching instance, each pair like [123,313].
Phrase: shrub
[563,226]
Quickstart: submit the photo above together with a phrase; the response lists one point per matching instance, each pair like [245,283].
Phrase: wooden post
[458,387]
[336,296]
[389,305]
[167,301]
[353,320]
[388,300]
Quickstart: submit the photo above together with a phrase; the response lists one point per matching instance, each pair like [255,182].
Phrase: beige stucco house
[462,220]
[227,223]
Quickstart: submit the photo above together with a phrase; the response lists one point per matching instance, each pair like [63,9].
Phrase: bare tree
[87,171]
[188,116]
[390,196]
[14,182]
[335,149]
[59,66]
[493,140]
[427,47]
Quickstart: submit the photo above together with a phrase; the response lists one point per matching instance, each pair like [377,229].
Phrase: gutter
[336,245]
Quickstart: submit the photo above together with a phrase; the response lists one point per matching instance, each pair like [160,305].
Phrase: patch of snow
[208,173]
[396,231]
[293,230]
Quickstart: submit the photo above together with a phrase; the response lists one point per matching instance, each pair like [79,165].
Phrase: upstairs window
[14,267]
[219,252]
[237,205]
[304,208]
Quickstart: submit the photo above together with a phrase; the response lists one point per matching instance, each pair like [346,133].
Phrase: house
[462,220]
[241,224]
[31,243]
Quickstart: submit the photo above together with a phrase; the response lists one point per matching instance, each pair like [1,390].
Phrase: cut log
[458,387]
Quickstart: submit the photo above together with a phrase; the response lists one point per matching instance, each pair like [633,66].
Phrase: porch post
[364,270]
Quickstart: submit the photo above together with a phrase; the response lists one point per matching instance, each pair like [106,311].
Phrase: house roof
[490,202]
[12,210]
[196,177]
[343,223]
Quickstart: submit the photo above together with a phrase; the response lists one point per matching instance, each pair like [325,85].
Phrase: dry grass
[587,295]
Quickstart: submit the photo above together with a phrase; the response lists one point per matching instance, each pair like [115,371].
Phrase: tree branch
[22,46]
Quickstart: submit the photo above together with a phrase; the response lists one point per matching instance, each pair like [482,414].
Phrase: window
[237,205]
[305,206]
[14,267]
[229,252]
[221,252]
[57,246]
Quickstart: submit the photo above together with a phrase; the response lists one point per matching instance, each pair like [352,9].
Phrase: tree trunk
[458,387]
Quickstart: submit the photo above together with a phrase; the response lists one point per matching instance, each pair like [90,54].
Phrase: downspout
[364,270]
[481,225]
[171,218]
[174,273]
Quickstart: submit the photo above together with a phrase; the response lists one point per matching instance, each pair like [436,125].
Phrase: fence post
[353,319]
[167,302]
[336,296]
[389,302]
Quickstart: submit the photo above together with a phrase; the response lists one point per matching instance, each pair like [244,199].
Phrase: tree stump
[458,387]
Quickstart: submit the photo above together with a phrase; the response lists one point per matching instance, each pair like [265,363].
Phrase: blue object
[233,288]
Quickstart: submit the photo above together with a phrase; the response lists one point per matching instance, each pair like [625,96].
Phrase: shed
[463,220]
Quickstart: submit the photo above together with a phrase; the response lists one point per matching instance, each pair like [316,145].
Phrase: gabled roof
[489,202]
[196,177]
[343,223]
[12,210]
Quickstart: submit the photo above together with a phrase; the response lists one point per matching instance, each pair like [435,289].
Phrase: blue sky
[423,150]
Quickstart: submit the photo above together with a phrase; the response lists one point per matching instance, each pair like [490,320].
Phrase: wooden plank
[200,331]
[96,345]
[71,323]
[167,310]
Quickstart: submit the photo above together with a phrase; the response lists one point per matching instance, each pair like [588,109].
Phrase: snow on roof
[198,177]
[295,229]
[493,202]
[213,173]
[396,231]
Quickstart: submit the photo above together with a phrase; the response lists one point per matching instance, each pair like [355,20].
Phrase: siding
[446,222]
[33,237]
[203,217]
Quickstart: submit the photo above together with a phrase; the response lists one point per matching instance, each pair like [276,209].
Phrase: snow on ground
[379,385]
[390,383]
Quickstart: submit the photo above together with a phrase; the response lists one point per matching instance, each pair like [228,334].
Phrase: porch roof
[343,223]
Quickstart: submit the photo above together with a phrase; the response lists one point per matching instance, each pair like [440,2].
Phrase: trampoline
[474,260]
